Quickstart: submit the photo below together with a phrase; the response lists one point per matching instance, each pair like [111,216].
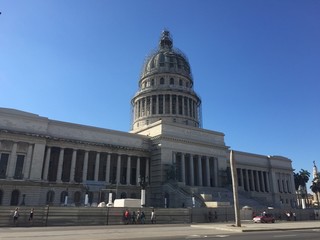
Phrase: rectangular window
[3,164]
[18,174]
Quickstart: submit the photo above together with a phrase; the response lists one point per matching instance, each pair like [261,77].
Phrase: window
[180,82]
[19,167]
[161,60]
[123,195]
[152,82]
[15,198]
[162,81]
[50,197]
[3,164]
[171,81]
[77,198]
[63,196]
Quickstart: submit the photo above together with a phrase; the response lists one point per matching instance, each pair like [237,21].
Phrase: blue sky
[256,65]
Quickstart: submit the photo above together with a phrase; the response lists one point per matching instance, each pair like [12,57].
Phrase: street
[163,232]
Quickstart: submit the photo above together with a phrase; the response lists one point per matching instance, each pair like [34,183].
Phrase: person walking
[133,217]
[31,215]
[153,217]
[143,217]
[16,216]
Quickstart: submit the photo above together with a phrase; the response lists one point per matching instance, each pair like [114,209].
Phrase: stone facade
[43,161]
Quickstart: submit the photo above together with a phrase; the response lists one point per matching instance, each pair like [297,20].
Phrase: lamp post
[143,182]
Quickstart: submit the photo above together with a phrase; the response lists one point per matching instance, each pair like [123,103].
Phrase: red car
[264,218]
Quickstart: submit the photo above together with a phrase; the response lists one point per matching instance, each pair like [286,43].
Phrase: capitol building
[167,152]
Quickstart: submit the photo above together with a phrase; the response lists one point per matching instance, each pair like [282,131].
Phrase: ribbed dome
[166,59]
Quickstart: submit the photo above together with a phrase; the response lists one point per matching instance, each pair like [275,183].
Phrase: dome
[166,59]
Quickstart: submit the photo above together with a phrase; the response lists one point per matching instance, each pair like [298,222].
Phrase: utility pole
[235,189]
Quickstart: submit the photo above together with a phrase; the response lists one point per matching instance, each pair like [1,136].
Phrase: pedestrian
[126,216]
[294,216]
[138,216]
[133,217]
[31,215]
[153,216]
[16,216]
[143,217]
[210,216]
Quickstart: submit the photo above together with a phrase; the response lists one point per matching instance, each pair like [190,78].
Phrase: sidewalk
[248,226]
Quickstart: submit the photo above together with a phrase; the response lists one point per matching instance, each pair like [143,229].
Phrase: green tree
[315,187]
[300,181]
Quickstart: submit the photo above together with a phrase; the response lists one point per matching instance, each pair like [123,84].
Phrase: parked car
[264,218]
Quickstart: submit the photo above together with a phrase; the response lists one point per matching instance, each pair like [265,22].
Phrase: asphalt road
[150,232]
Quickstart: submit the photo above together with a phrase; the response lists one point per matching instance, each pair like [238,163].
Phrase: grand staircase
[208,197]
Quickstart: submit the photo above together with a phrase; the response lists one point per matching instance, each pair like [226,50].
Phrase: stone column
[258,180]
[183,168]
[26,171]
[85,167]
[118,170]
[73,165]
[12,160]
[147,168]
[108,168]
[252,180]
[263,183]
[138,171]
[192,109]
[170,103]
[151,105]
[177,105]
[208,171]
[164,104]
[241,178]
[60,164]
[267,182]
[145,106]
[191,171]
[199,171]
[182,103]
[129,170]
[157,104]
[46,164]
[96,167]
[216,171]
[247,178]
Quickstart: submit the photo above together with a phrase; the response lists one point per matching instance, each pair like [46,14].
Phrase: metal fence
[77,216]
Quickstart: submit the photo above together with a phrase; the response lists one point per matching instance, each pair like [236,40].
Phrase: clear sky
[255,63]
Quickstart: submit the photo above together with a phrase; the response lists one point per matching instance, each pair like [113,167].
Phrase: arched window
[15,197]
[123,195]
[161,80]
[50,197]
[77,198]
[63,196]
[171,81]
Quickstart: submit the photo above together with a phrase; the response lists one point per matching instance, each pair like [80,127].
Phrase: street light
[143,182]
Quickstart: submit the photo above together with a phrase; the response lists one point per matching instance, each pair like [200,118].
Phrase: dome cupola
[165,89]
